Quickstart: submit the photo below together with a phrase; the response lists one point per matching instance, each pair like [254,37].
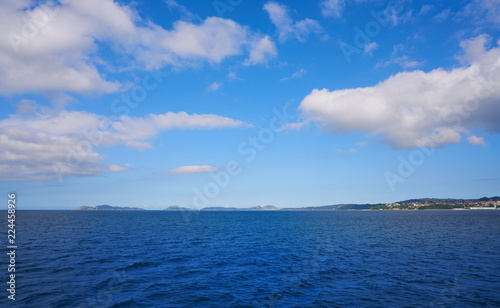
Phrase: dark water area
[255,259]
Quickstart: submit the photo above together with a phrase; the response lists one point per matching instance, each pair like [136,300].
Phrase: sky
[243,103]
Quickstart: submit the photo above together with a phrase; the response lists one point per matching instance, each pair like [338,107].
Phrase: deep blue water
[256,259]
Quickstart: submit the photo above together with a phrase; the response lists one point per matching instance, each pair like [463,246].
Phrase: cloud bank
[45,145]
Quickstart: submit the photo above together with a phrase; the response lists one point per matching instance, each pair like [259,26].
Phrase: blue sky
[244,103]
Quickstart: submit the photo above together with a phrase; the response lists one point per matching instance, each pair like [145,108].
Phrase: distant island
[106,207]
[484,203]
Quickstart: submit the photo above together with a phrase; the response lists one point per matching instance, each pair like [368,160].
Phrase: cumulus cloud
[46,145]
[213,40]
[474,140]
[46,47]
[417,108]
[192,169]
[51,48]
[287,28]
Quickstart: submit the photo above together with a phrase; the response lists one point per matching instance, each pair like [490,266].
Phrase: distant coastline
[485,203]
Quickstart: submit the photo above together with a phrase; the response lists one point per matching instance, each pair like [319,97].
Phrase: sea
[440,258]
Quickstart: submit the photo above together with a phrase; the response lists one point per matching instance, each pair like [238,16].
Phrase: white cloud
[192,169]
[262,50]
[120,168]
[46,47]
[404,61]
[297,74]
[442,16]
[214,86]
[294,125]
[186,14]
[415,108]
[55,48]
[213,40]
[333,8]
[371,47]
[473,140]
[300,30]
[135,132]
[397,58]
[233,76]
[38,145]
[482,12]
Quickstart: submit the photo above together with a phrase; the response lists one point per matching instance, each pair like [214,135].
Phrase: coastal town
[437,204]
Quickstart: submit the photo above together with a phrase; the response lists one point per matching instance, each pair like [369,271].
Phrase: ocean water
[256,259]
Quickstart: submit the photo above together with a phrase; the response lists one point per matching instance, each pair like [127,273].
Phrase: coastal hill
[106,207]
[413,204]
